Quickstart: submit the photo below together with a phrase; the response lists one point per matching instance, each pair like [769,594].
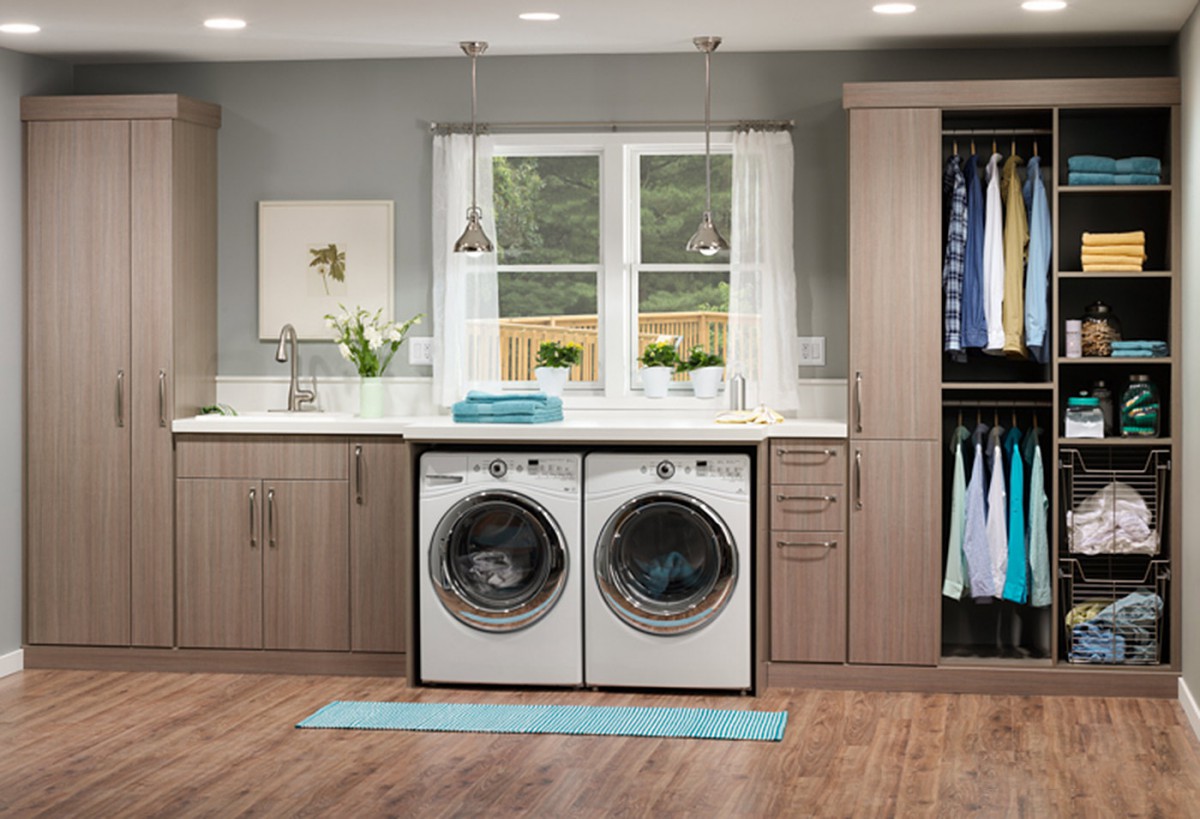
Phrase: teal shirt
[1016,587]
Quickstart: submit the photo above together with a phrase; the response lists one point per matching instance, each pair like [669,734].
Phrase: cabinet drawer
[799,460]
[808,597]
[808,507]
[245,456]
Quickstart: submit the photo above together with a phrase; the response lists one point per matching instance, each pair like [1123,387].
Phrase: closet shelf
[1106,361]
[1160,442]
[998,385]
[1145,274]
[1114,188]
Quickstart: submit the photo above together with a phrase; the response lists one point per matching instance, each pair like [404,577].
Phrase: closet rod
[996,132]
[1004,404]
[613,125]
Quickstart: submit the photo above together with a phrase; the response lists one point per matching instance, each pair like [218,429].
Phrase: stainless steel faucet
[296,396]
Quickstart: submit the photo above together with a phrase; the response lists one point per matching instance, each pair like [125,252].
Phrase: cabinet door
[894,262]
[380,534]
[894,538]
[220,563]
[306,565]
[808,597]
[78,387]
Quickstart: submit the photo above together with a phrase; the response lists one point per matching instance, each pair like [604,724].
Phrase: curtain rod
[996,132]
[613,125]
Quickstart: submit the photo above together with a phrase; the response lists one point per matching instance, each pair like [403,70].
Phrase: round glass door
[498,561]
[666,563]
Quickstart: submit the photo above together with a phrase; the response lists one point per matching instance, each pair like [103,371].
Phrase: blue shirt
[955,184]
[974,324]
[1037,271]
[975,546]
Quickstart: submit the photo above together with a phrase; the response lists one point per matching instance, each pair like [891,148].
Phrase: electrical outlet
[810,351]
[420,351]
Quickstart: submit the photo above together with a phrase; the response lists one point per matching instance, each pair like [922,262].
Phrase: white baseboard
[1188,702]
[14,661]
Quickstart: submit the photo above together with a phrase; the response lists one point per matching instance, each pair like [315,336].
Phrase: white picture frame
[294,285]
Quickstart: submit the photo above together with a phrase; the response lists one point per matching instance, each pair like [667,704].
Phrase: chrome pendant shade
[473,240]
[707,240]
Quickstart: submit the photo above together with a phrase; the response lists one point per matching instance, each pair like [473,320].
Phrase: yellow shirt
[1016,245]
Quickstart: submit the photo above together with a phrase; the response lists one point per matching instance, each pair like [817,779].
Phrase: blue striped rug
[698,723]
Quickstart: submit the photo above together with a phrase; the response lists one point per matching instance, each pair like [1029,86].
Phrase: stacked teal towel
[1080,178]
[512,408]
[1087,163]
[1086,169]
[1139,349]
[1140,165]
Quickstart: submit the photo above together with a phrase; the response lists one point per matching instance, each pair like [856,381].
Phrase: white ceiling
[171,30]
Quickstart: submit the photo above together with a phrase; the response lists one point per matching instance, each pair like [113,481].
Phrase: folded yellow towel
[1117,250]
[1112,268]
[1107,258]
[1133,237]
[762,414]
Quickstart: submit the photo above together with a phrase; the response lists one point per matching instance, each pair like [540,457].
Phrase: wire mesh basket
[1115,499]
[1114,610]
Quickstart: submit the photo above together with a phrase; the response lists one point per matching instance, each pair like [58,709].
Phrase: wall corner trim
[14,661]
[1190,709]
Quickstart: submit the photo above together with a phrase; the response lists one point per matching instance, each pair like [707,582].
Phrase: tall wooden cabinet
[120,229]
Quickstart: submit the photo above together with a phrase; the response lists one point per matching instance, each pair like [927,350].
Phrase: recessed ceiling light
[539,15]
[894,8]
[20,28]
[225,23]
[1044,5]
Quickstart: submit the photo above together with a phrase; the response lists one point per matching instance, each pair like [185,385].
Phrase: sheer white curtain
[466,336]
[762,280]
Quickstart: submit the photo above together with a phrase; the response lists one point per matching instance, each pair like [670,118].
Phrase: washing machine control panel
[547,470]
[716,470]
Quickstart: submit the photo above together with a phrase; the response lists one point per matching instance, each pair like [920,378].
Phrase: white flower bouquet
[366,340]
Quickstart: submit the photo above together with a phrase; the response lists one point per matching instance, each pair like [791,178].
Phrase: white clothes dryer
[667,590]
[500,568]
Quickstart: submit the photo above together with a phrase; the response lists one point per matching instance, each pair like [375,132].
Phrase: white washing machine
[500,568]
[667,586]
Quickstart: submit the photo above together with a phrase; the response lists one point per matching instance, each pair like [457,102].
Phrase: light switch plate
[420,351]
[810,351]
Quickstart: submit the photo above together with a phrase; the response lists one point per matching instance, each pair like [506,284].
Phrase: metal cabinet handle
[823,498]
[253,519]
[358,477]
[828,453]
[790,544]
[271,518]
[858,502]
[858,411]
[162,398]
[120,398]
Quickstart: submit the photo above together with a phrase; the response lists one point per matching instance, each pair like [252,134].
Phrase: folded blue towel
[1139,344]
[478,397]
[540,417]
[1137,179]
[1091,178]
[1134,354]
[1139,164]
[1088,163]
[482,410]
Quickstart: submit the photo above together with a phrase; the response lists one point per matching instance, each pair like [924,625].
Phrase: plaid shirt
[954,183]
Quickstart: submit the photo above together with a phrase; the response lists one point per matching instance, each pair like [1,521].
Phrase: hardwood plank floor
[110,744]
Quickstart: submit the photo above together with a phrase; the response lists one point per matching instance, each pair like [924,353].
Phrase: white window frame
[620,257]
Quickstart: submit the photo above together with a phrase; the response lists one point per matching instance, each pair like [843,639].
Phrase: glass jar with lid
[1103,394]
[1084,418]
[1141,415]
[1100,328]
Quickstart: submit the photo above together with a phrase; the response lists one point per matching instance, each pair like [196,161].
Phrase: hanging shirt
[1016,240]
[997,510]
[974,323]
[975,545]
[1040,590]
[1016,583]
[956,560]
[953,268]
[1037,271]
[993,260]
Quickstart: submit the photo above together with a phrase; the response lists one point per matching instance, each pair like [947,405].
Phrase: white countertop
[581,426]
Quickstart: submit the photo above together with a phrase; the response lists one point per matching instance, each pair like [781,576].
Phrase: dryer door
[666,563]
[498,561]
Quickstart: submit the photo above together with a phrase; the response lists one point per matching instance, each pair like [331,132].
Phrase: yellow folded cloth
[1112,268]
[762,414]
[1134,237]
[1116,250]
[1111,258]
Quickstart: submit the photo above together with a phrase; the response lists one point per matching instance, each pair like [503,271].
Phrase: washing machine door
[498,561]
[666,563]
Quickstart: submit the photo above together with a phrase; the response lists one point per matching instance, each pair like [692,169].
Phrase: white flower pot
[370,398]
[552,380]
[706,381]
[656,380]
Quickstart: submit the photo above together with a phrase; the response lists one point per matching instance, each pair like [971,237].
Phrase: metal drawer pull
[858,402]
[120,398]
[162,398]
[825,498]
[858,503]
[828,453]
[271,518]
[358,493]
[253,519]
[788,544]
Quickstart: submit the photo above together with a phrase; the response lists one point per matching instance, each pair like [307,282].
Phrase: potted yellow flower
[554,362]
[704,369]
[658,361]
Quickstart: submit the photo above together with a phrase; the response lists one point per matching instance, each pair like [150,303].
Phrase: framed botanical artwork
[313,256]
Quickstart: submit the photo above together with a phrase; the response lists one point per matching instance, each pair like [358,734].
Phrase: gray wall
[19,75]
[358,129]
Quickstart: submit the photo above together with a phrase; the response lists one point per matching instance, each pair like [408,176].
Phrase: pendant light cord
[707,131]
[474,158]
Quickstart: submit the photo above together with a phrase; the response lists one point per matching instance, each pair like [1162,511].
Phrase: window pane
[547,209]
[690,306]
[538,307]
[673,202]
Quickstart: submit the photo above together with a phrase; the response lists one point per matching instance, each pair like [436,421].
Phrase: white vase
[370,398]
[706,381]
[656,380]
[551,380]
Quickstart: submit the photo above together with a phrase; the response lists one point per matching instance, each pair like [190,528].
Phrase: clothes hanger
[973,146]
[995,417]
[1014,148]
[1014,417]
[1035,153]
[994,147]
[954,148]
[978,416]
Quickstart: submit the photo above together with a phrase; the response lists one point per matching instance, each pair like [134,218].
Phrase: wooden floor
[77,743]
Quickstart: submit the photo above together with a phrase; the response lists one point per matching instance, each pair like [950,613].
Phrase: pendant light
[707,240]
[473,241]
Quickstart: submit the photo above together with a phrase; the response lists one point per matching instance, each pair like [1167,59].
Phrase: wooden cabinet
[381,516]
[120,227]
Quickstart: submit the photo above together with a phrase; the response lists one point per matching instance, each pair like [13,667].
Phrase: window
[590,236]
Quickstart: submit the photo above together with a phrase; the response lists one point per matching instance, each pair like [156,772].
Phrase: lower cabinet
[808,597]
[380,519]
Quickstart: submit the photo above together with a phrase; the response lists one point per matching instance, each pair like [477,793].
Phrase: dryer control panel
[725,472]
[550,471]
